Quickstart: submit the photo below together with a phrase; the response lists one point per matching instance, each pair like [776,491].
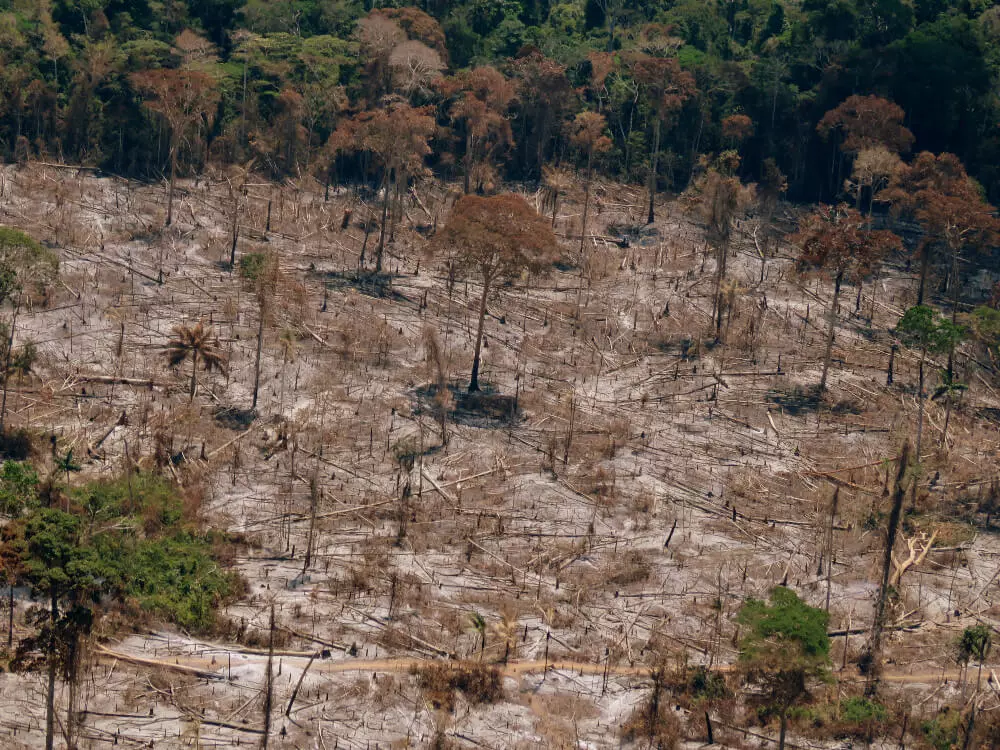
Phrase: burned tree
[839,243]
[495,238]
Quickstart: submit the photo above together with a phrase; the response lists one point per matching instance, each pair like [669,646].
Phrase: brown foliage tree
[587,133]
[482,97]
[865,122]
[838,242]
[377,37]
[874,169]
[737,127]
[415,67]
[396,136]
[937,192]
[545,97]
[417,25]
[719,198]
[184,98]
[497,237]
[667,88]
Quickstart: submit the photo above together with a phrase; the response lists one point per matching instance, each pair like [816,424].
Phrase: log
[115,380]
[157,664]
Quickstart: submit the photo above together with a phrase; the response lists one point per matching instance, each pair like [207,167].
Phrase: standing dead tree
[869,662]
[719,198]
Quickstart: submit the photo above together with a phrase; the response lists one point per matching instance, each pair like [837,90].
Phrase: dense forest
[496,85]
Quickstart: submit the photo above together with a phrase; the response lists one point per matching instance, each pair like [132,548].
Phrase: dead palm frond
[199,343]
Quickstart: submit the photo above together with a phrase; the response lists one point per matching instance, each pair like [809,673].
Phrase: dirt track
[201,667]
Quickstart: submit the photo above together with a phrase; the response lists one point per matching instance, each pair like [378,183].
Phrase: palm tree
[67,464]
[199,343]
[478,623]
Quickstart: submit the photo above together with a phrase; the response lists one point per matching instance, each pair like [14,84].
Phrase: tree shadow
[369,283]
[234,418]
[485,408]
[800,400]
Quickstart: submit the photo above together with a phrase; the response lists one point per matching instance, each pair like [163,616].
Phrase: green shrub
[858,710]
[18,487]
[147,496]
[942,731]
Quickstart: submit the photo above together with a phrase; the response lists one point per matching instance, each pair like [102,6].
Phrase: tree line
[147,89]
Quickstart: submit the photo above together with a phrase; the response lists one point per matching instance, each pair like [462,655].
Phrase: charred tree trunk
[870,660]
[831,327]
[268,684]
[260,345]
[170,184]
[381,230]
[654,157]
[50,693]
[474,380]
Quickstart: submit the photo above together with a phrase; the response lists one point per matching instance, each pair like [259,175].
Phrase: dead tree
[869,662]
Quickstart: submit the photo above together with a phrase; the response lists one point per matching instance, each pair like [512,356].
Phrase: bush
[858,710]
[174,577]
[479,684]
[942,731]
[18,487]
[142,494]
[860,717]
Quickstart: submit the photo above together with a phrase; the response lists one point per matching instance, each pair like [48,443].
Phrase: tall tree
[785,646]
[545,97]
[870,661]
[921,327]
[184,99]
[666,87]
[497,237]
[482,96]
[26,267]
[262,273]
[719,198]
[397,137]
[587,133]
[863,122]
[67,574]
[937,192]
[839,243]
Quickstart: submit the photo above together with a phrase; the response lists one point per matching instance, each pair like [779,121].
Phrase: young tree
[197,342]
[262,273]
[497,237]
[396,136]
[838,242]
[483,95]
[922,328]
[666,88]
[184,99]
[719,198]
[784,648]
[25,268]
